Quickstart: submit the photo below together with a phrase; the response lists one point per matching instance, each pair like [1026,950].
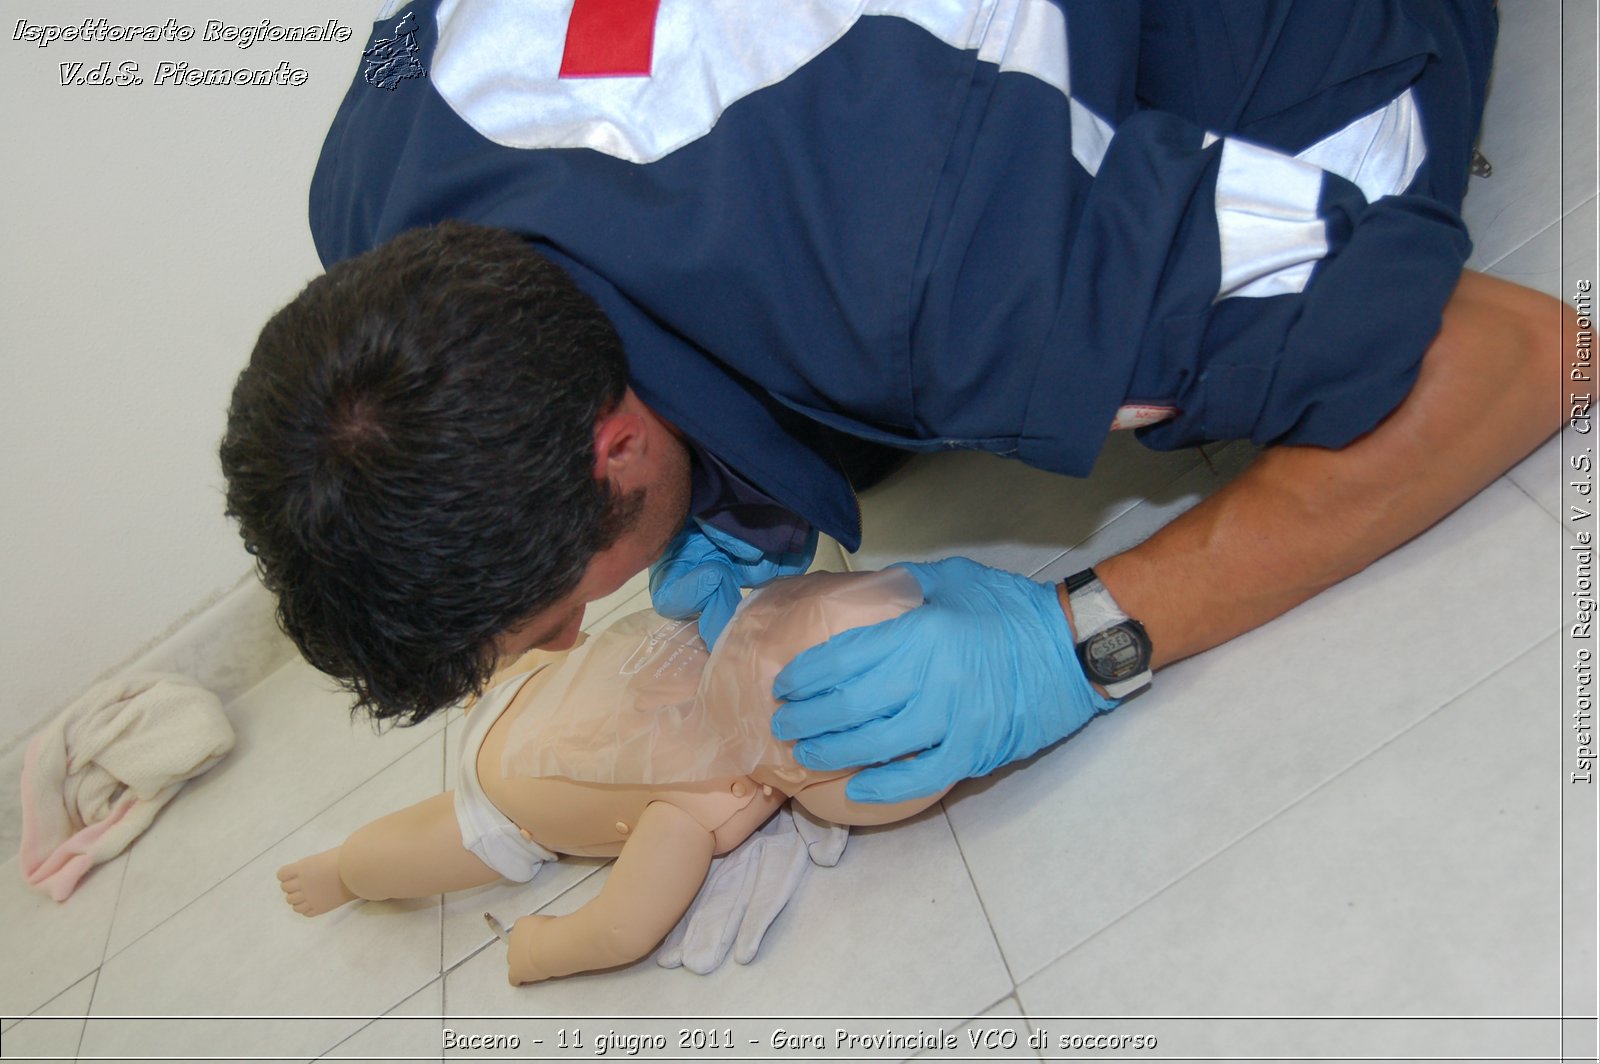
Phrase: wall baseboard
[228,646]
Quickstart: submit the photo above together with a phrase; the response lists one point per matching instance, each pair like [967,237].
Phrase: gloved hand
[704,568]
[746,889]
[983,673]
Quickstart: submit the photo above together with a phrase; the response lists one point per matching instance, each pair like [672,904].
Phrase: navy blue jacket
[950,223]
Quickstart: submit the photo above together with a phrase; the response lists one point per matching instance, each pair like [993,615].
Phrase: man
[1005,226]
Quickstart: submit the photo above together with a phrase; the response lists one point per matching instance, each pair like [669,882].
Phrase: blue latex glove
[704,568]
[983,673]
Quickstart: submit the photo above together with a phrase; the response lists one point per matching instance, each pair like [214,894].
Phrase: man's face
[557,626]
[665,510]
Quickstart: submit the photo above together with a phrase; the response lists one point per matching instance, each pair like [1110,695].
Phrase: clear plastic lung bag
[643,703]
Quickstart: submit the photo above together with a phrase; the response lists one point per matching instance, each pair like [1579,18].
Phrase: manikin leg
[414,853]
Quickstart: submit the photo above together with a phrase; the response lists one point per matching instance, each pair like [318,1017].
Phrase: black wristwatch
[1112,647]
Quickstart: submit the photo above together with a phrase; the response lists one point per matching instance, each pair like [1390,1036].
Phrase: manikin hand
[704,568]
[747,888]
[520,951]
[983,673]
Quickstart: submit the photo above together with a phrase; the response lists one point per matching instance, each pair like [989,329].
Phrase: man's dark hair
[410,458]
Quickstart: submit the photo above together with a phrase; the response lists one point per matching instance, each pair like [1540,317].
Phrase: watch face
[1117,653]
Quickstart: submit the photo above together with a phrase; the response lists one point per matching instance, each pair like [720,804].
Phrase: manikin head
[435,458]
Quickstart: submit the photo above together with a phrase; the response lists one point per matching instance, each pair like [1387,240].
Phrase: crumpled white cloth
[95,777]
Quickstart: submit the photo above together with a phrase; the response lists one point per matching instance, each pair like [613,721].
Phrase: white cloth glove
[746,889]
[825,840]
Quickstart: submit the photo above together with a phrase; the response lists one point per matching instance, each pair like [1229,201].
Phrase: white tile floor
[1356,811]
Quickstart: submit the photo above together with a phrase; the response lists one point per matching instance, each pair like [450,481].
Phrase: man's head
[434,446]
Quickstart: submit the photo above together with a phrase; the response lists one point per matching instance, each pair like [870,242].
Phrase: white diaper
[485,831]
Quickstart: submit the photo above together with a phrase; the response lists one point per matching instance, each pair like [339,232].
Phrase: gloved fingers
[784,863]
[735,548]
[680,592]
[717,612]
[901,781]
[683,552]
[772,566]
[998,596]
[848,710]
[825,840]
[839,660]
[931,576]
[875,741]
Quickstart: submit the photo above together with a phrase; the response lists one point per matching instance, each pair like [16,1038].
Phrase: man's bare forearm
[1303,518]
[1234,562]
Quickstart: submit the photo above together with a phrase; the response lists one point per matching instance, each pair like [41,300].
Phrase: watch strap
[1094,611]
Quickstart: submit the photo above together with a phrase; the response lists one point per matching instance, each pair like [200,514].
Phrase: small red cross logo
[610,38]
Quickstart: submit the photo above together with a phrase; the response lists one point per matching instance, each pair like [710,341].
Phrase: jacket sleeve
[1277,210]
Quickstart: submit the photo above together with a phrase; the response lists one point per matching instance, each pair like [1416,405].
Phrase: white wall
[149,231]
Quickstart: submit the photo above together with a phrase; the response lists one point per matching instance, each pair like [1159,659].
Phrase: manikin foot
[312,885]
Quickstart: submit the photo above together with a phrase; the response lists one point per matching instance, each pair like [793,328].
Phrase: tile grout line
[105,948]
[1559,219]
[235,871]
[1002,999]
[385,1015]
[77,1049]
[1246,833]
[1528,494]
[40,1014]
[476,950]
[983,906]
[444,761]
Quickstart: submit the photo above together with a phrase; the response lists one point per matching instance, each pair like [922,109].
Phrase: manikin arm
[649,889]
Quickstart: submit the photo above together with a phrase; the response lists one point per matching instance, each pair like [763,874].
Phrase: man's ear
[619,442]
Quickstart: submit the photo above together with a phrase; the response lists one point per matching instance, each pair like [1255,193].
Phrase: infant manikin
[637,745]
